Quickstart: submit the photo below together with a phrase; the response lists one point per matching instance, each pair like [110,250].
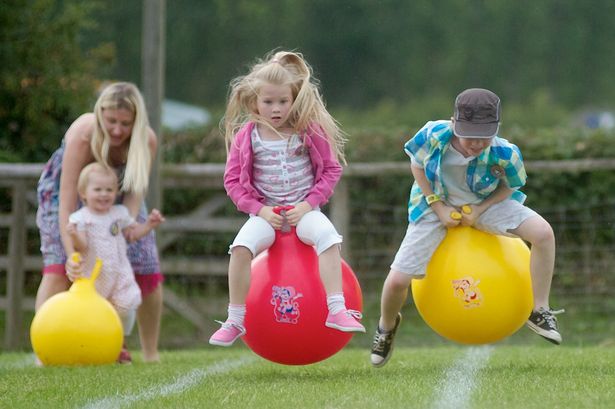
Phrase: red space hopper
[286,306]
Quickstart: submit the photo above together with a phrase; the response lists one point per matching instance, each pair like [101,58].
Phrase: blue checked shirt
[501,160]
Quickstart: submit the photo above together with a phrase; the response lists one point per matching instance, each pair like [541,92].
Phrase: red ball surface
[286,306]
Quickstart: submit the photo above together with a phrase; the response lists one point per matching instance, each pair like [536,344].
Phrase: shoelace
[229,325]
[549,316]
[379,342]
[354,313]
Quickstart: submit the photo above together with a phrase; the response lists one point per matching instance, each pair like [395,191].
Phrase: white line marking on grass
[179,385]
[455,391]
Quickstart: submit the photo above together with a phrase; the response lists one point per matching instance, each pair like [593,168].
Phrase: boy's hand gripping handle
[457,216]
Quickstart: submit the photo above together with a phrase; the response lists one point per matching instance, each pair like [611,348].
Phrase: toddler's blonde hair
[84,176]
[124,95]
[307,110]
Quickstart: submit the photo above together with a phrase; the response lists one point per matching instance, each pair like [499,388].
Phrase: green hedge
[579,205]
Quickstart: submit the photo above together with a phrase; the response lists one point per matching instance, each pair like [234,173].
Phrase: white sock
[236,313]
[336,302]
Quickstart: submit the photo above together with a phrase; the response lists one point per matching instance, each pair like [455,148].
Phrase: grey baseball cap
[477,114]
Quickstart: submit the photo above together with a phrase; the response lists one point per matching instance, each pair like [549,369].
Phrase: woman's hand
[295,214]
[274,219]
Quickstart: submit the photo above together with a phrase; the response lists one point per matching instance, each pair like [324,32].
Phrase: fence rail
[20,181]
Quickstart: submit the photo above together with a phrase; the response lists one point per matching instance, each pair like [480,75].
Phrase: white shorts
[314,229]
[423,238]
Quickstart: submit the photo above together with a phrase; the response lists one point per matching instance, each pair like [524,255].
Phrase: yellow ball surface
[77,327]
[477,289]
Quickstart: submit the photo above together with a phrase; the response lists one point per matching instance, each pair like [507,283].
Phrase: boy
[459,163]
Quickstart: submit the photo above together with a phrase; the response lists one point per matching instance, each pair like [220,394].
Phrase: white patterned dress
[105,240]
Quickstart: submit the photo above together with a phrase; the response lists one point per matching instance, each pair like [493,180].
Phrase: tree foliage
[365,51]
[401,60]
[47,77]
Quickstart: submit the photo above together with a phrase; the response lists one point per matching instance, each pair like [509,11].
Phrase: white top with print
[282,170]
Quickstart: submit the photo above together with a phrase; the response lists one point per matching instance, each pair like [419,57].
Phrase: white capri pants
[314,229]
[423,238]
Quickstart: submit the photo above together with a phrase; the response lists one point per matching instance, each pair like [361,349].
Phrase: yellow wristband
[432,199]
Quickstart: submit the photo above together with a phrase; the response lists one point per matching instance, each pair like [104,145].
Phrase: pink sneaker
[345,321]
[228,334]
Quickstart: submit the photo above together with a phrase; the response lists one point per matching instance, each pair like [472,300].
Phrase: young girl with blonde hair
[284,149]
[118,136]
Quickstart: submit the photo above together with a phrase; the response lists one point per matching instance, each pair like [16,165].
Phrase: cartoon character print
[466,289]
[285,305]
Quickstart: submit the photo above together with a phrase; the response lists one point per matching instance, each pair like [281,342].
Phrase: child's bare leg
[539,234]
[239,284]
[340,318]
[330,265]
[239,274]
[127,317]
[394,294]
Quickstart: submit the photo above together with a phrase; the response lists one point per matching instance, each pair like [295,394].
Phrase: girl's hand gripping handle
[281,210]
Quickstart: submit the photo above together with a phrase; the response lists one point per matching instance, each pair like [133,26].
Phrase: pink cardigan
[238,172]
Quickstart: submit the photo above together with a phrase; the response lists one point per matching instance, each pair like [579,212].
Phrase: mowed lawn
[500,376]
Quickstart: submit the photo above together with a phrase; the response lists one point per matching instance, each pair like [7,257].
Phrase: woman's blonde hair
[124,95]
[84,176]
[307,110]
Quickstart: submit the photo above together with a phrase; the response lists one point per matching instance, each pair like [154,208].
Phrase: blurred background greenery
[385,68]
[388,65]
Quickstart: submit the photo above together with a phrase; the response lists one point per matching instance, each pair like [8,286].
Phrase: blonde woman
[284,149]
[118,136]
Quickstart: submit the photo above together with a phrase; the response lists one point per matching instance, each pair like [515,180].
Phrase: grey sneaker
[382,348]
[544,323]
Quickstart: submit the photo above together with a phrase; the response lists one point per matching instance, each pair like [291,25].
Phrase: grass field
[426,371]
[500,376]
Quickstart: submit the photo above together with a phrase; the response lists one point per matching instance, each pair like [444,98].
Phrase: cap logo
[478,113]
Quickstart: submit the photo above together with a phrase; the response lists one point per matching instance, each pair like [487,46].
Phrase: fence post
[340,216]
[15,279]
[152,69]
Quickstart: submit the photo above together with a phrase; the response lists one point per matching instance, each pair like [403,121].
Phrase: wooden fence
[20,181]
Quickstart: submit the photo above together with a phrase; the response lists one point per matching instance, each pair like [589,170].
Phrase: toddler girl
[97,231]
